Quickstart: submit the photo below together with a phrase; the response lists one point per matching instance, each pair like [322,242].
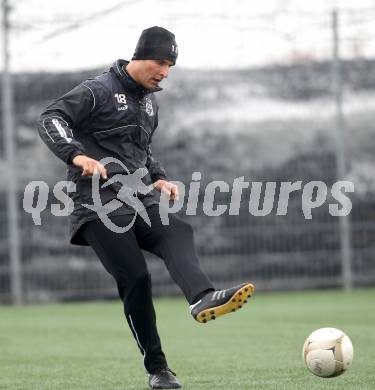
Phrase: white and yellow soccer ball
[328,352]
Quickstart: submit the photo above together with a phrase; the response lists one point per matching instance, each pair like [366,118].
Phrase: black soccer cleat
[164,378]
[220,302]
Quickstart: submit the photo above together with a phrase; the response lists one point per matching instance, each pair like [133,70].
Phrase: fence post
[10,156]
[341,162]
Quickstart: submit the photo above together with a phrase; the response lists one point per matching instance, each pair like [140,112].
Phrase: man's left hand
[169,189]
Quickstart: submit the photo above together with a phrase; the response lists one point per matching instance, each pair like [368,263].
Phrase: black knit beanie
[156,43]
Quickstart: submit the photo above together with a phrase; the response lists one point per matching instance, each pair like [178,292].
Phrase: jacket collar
[118,68]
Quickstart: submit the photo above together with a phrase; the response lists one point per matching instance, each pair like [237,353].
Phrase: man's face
[152,72]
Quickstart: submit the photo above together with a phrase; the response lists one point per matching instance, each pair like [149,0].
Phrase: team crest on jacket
[149,108]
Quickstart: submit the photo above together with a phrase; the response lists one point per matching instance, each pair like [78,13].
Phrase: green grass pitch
[89,346]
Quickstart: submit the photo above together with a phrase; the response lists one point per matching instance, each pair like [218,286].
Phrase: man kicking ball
[115,115]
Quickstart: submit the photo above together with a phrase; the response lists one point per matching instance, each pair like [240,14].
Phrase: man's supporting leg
[140,314]
[122,258]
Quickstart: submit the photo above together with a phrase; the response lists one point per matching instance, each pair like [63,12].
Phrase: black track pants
[121,256]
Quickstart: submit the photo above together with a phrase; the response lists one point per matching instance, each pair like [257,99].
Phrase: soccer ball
[328,352]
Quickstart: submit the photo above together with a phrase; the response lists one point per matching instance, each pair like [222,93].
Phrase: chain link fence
[268,123]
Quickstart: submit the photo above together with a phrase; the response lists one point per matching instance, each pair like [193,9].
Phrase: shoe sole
[238,299]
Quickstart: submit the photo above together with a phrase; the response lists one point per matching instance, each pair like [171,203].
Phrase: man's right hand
[89,166]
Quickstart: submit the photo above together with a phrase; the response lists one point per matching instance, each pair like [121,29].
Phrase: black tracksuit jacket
[108,116]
